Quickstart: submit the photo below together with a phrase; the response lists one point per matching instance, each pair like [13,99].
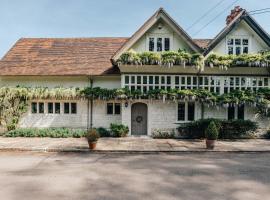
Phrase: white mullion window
[238,45]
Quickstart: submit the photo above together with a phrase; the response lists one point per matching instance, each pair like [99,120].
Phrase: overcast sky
[97,18]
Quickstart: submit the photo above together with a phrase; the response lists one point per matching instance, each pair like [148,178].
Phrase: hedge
[232,129]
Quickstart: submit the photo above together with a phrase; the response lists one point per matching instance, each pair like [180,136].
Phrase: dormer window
[159,44]
[237,46]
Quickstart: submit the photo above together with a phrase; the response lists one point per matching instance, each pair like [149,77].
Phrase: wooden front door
[139,119]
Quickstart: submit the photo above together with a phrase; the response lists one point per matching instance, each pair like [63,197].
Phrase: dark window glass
[188,80]
[34,107]
[200,81]
[181,112]
[41,107]
[50,107]
[237,41]
[132,88]
[245,50]
[57,108]
[167,44]
[183,80]
[191,111]
[194,80]
[241,112]
[231,111]
[230,50]
[109,108]
[139,80]
[73,108]
[132,79]
[206,81]
[245,41]
[177,80]
[265,81]
[151,44]
[238,50]
[230,42]
[144,79]
[66,108]
[162,80]
[159,44]
[168,80]
[117,108]
[127,79]
[217,90]
[150,79]
[156,79]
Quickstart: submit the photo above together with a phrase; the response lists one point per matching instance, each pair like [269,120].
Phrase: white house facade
[92,62]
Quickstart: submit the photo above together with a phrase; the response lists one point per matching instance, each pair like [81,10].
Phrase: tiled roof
[203,43]
[57,56]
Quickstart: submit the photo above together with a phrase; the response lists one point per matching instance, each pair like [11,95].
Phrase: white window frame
[242,37]
[163,36]
[113,103]
[186,111]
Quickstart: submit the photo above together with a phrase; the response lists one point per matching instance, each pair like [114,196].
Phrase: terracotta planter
[92,145]
[210,144]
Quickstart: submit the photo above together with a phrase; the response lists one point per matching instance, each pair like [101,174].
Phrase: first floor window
[151,44]
[40,107]
[57,108]
[66,108]
[34,107]
[159,44]
[186,111]
[167,44]
[113,108]
[73,108]
[238,46]
[50,107]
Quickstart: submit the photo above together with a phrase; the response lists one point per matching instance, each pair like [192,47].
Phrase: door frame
[147,118]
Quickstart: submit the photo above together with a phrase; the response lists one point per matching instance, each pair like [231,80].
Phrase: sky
[111,18]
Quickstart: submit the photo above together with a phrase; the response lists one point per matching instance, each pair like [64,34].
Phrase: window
[191,111]
[241,112]
[40,108]
[113,108]
[159,44]
[50,107]
[238,46]
[109,108]
[57,108]
[117,108]
[236,112]
[66,108]
[181,112]
[73,108]
[151,44]
[231,112]
[34,107]
[167,44]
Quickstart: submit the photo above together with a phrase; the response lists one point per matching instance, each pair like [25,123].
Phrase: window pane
[183,80]
[133,79]
[194,80]
[57,108]
[177,80]
[73,108]
[162,80]
[200,81]
[168,80]
[41,107]
[109,108]
[191,109]
[167,44]
[245,50]
[206,81]
[117,109]
[241,112]
[238,50]
[230,41]
[237,41]
[138,79]
[245,41]
[230,50]
[159,44]
[151,44]
[144,79]
[66,108]
[156,79]
[188,80]
[150,79]
[231,111]
[127,79]
[265,81]
[181,112]
[34,107]
[50,107]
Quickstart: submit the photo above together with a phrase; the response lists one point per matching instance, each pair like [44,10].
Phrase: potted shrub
[92,138]
[211,135]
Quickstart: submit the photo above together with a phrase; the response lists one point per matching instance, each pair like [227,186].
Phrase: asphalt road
[185,176]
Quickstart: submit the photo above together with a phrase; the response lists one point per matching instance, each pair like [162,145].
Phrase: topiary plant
[211,133]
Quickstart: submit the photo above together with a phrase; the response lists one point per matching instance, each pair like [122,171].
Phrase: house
[94,62]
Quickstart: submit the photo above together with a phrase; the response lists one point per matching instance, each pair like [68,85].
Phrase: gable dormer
[159,33]
[242,35]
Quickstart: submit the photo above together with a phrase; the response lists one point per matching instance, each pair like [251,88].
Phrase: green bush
[119,130]
[267,135]
[211,133]
[92,135]
[46,132]
[159,134]
[228,129]
[103,132]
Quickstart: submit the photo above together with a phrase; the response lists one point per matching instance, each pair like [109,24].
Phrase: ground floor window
[236,112]
[186,111]
[113,108]
[70,108]
[53,107]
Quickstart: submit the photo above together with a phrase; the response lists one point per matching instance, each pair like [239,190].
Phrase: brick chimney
[234,13]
